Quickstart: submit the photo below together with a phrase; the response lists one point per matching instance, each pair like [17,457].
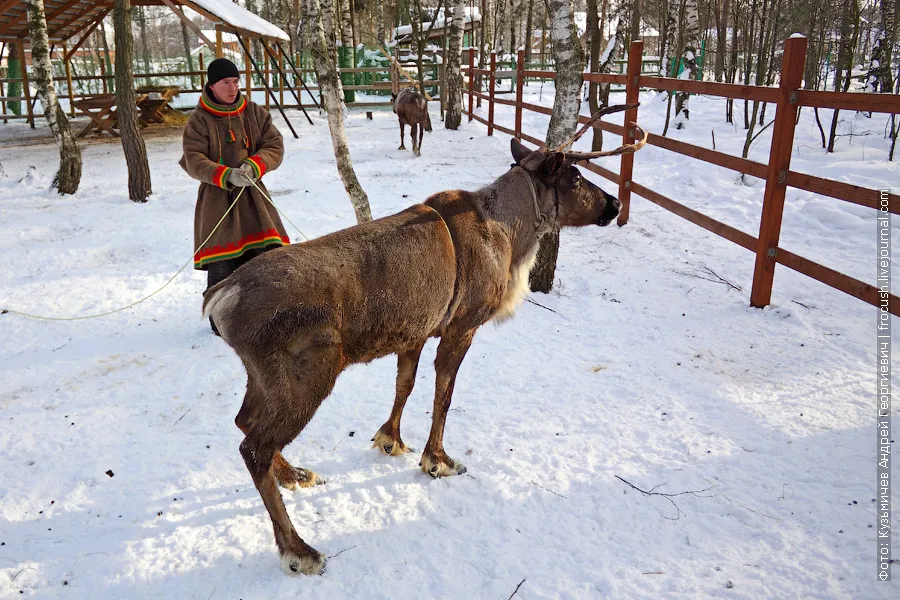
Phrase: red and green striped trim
[257,240]
[220,177]
[220,110]
[259,167]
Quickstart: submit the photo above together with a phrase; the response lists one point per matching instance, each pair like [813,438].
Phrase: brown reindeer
[299,315]
[411,108]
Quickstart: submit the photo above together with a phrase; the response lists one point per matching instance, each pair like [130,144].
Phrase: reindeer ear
[519,151]
[553,162]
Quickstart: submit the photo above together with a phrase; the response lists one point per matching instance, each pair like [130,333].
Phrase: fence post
[491,83]
[203,72]
[471,81]
[266,70]
[776,171]
[248,74]
[103,82]
[632,91]
[520,83]
[219,51]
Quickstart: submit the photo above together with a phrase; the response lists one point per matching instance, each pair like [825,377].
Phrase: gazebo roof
[66,18]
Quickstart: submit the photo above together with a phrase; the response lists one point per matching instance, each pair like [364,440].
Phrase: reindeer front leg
[388,437]
[450,354]
[402,132]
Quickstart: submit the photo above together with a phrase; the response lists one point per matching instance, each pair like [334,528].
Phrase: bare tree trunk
[379,22]
[69,175]
[106,55]
[454,60]
[569,59]
[671,30]
[186,40]
[529,26]
[691,46]
[721,37]
[139,187]
[844,61]
[593,27]
[635,20]
[331,89]
[879,76]
[145,52]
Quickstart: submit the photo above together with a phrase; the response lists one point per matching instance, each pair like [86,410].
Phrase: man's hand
[248,171]
[239,178]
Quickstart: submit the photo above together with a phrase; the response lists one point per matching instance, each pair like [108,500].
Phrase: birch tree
[671,30]
[139,187]
[379,22]
[454,60]
[691,39]
[879,76]
[69,175]
[330,87]
[569,59]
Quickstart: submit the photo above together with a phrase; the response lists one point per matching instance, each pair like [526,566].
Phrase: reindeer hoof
[402,147]
[297,477]
[445,467]
[312,563]
[388,445]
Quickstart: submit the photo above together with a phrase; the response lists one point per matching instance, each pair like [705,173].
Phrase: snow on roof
[241,18]
[472,14]
[227,38]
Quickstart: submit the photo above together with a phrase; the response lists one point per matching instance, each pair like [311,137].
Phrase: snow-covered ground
[119,470]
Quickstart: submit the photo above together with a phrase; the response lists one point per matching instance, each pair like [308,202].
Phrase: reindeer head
[576,201]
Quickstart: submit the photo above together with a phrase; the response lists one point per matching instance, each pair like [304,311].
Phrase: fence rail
[67,86]
[787,99]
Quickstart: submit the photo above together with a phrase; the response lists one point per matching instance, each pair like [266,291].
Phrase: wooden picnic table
[101,109]
[102,112]
[154,101]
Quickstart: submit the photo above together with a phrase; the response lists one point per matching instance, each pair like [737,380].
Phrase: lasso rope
[171,279]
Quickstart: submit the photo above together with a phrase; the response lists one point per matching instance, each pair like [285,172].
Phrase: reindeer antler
[594,118]
[625,149]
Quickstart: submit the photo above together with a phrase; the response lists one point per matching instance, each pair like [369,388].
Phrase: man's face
[226,90]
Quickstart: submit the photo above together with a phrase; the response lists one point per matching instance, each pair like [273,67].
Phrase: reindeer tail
[219,297]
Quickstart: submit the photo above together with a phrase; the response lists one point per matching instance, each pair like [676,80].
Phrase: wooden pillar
[471,81]
[219,51]
[491,85]
[25,89]
[632,90]
[280,76]
[66,59]
[520,89]
[777,169]
[266,69]
[202,71]
[248,73]
[103,83]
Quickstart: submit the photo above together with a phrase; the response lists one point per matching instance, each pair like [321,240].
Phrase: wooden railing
[67,87]
[787,99]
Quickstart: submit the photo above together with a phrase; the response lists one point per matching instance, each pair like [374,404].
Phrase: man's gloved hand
[239,178]
[248,171]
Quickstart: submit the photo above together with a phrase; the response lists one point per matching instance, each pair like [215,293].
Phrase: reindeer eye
[577,181]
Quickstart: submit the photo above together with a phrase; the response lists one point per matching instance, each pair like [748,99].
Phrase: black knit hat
[220,69]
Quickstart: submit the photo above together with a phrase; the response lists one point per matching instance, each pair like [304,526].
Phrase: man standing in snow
[229,143]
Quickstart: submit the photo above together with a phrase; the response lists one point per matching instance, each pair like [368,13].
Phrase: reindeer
[411,109]
[299,315]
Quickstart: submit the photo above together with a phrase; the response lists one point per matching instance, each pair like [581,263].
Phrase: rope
[171,279]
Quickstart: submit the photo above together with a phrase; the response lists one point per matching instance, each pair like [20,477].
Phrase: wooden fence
[787,99]
[280,86]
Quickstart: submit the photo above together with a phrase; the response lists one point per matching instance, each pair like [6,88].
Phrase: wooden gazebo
[71,22]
